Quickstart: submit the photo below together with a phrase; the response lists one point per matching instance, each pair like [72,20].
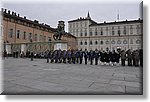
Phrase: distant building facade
[112,35]
[16,29]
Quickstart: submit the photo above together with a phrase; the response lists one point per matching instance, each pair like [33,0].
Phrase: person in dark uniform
[73,56]
[91,56]
[85,56]
[56,56]
[64,56]
[47,56]
[112,57]
[107,56]
[133,57]
[59,56]
[137,57]
[117,57]
[129,57]
[81,56]
[77,56]
[69,56]
[52,56]
[123,57]
[32,56]
[102,58]
[141,57]
[96,56]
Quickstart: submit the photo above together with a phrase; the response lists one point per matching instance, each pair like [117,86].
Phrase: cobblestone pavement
[22,76]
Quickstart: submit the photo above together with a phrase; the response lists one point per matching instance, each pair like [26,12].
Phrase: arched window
[85,43]
[112,42]
[96,42]
[118,42]
[125,42]
[101,42]
[138,41]
[107,42]
[81,43]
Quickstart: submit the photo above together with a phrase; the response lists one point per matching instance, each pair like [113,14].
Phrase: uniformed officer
[107,56]
[91,56]
[129,57]
[123,57]
[113,57]
[73,57]
[59,56]
[56,56]
[64,56]
[32,55]
[96,56]
[85,55]
[69,56]
[81,56]
[47,56]
[77,56]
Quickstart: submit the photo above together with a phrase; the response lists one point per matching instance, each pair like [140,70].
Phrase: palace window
[124,31]
[138,41]
[85,32]
[95,31]
[107,42]
[35,37]
[118,42]
[18,34]
[81,34]
[24,35]
[125,42]
[101,42]
[85,43]
[131,41]
[113,31]
[90,33]
[30,36]
[138,29]
[112,42]
[96,42]
[81,43]
[11,33]
[131,29]
[44,38]
[118,32]
[101,32]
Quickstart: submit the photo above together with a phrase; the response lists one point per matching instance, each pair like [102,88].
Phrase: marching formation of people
[134,58]
[103,57]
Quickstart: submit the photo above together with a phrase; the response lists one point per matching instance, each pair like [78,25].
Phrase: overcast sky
[51,12]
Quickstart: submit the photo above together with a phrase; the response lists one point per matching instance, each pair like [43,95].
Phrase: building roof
[15,16]
[118,22]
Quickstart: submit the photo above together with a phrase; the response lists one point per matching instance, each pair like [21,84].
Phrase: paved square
[22,76]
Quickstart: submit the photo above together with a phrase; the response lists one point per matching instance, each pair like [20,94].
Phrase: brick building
[20,30]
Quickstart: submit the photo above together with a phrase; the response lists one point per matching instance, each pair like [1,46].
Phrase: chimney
[139,19]
[15,13]
[18,15]
[24,17]
[5,11]
[8,11]
[12,13]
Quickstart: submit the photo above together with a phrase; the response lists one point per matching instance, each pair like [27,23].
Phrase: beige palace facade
[118,34]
